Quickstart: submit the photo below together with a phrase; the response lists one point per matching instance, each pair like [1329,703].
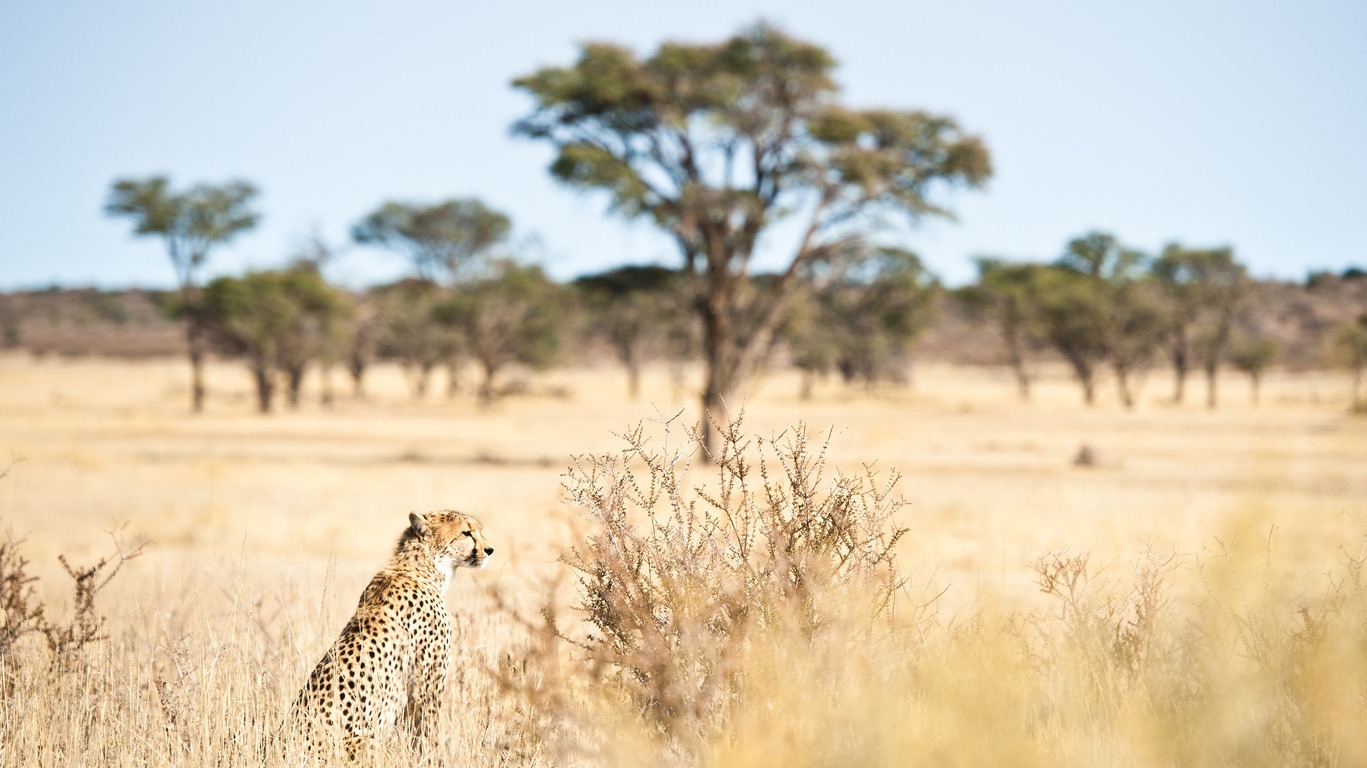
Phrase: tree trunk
[1180,366]
[627,355]
[1122,378]
[1086,376]
[715,417]
[717,340]
[452,378]
[265,386]
[486,387]
[356,368]
[1256,381]
[417,374]
[194,338]
[1022,377]
[805,390]
[1211,397]
[1015,356]
[294,383]
[326,397]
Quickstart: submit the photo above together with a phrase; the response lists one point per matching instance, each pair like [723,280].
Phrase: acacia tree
[1094,308]
[274,319]
[444,242]
[1253,356]
[1005,294]
[1202,288]
[191,224]
[406,330]
[512,315]
[716,143]
[867,314]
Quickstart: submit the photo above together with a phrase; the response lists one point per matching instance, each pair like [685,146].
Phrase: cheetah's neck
[436,570]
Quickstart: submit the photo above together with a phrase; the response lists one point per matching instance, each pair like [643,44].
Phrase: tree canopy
[191,222]
[441,240]
[715,143]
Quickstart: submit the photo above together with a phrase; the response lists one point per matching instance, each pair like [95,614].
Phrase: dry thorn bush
[682,585]
[23,613]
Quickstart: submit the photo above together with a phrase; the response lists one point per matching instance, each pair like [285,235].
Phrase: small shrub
[23,613]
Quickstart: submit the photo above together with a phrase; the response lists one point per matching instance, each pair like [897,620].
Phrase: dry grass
[263,531]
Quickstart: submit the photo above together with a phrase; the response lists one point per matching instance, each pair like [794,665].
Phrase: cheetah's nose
[488,550]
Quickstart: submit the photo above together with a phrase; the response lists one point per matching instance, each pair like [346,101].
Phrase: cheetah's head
[455,539]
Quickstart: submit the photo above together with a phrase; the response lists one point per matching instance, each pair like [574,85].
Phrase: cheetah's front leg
[427,688]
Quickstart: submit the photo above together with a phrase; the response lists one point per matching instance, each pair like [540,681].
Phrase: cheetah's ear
[418,523]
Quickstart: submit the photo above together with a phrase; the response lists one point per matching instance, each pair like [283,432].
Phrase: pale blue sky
[1241,123]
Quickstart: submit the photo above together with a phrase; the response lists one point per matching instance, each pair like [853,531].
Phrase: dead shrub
[22,611]
[678,584]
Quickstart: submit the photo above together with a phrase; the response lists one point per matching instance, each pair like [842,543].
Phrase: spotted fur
[389,666]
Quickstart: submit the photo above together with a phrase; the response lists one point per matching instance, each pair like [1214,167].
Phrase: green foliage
[1253,356]
[441,240]
[1202,290]
[273,318]
[1095,306]
[512,315]
[1005,295]
[406,330]
[863,316]
[1350,351]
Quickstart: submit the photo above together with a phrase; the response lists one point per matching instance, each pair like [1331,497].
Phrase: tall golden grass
[1195,598]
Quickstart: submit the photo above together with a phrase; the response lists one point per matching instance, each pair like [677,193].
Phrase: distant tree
[510,316]
[1004,294]
[634,309]
[1202,290]
[361,340]
[312,254]
[271,318]
[716,143]
[1350,351]
[860,315]
[444,242]
[878,308]
[191,224]
[1253,356]
[1094,308]
[1072,320]
[407,330]
[813,344]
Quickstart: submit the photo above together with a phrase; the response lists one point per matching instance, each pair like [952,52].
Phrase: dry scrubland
[1220,618]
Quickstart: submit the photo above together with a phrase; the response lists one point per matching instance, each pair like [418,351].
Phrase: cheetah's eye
[468,532]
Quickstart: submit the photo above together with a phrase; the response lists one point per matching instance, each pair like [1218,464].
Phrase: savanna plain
[1192,595]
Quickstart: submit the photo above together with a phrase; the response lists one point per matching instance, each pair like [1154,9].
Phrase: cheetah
[391,660]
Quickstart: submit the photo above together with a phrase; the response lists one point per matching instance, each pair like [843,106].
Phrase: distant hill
[1302,318]
[85,321]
